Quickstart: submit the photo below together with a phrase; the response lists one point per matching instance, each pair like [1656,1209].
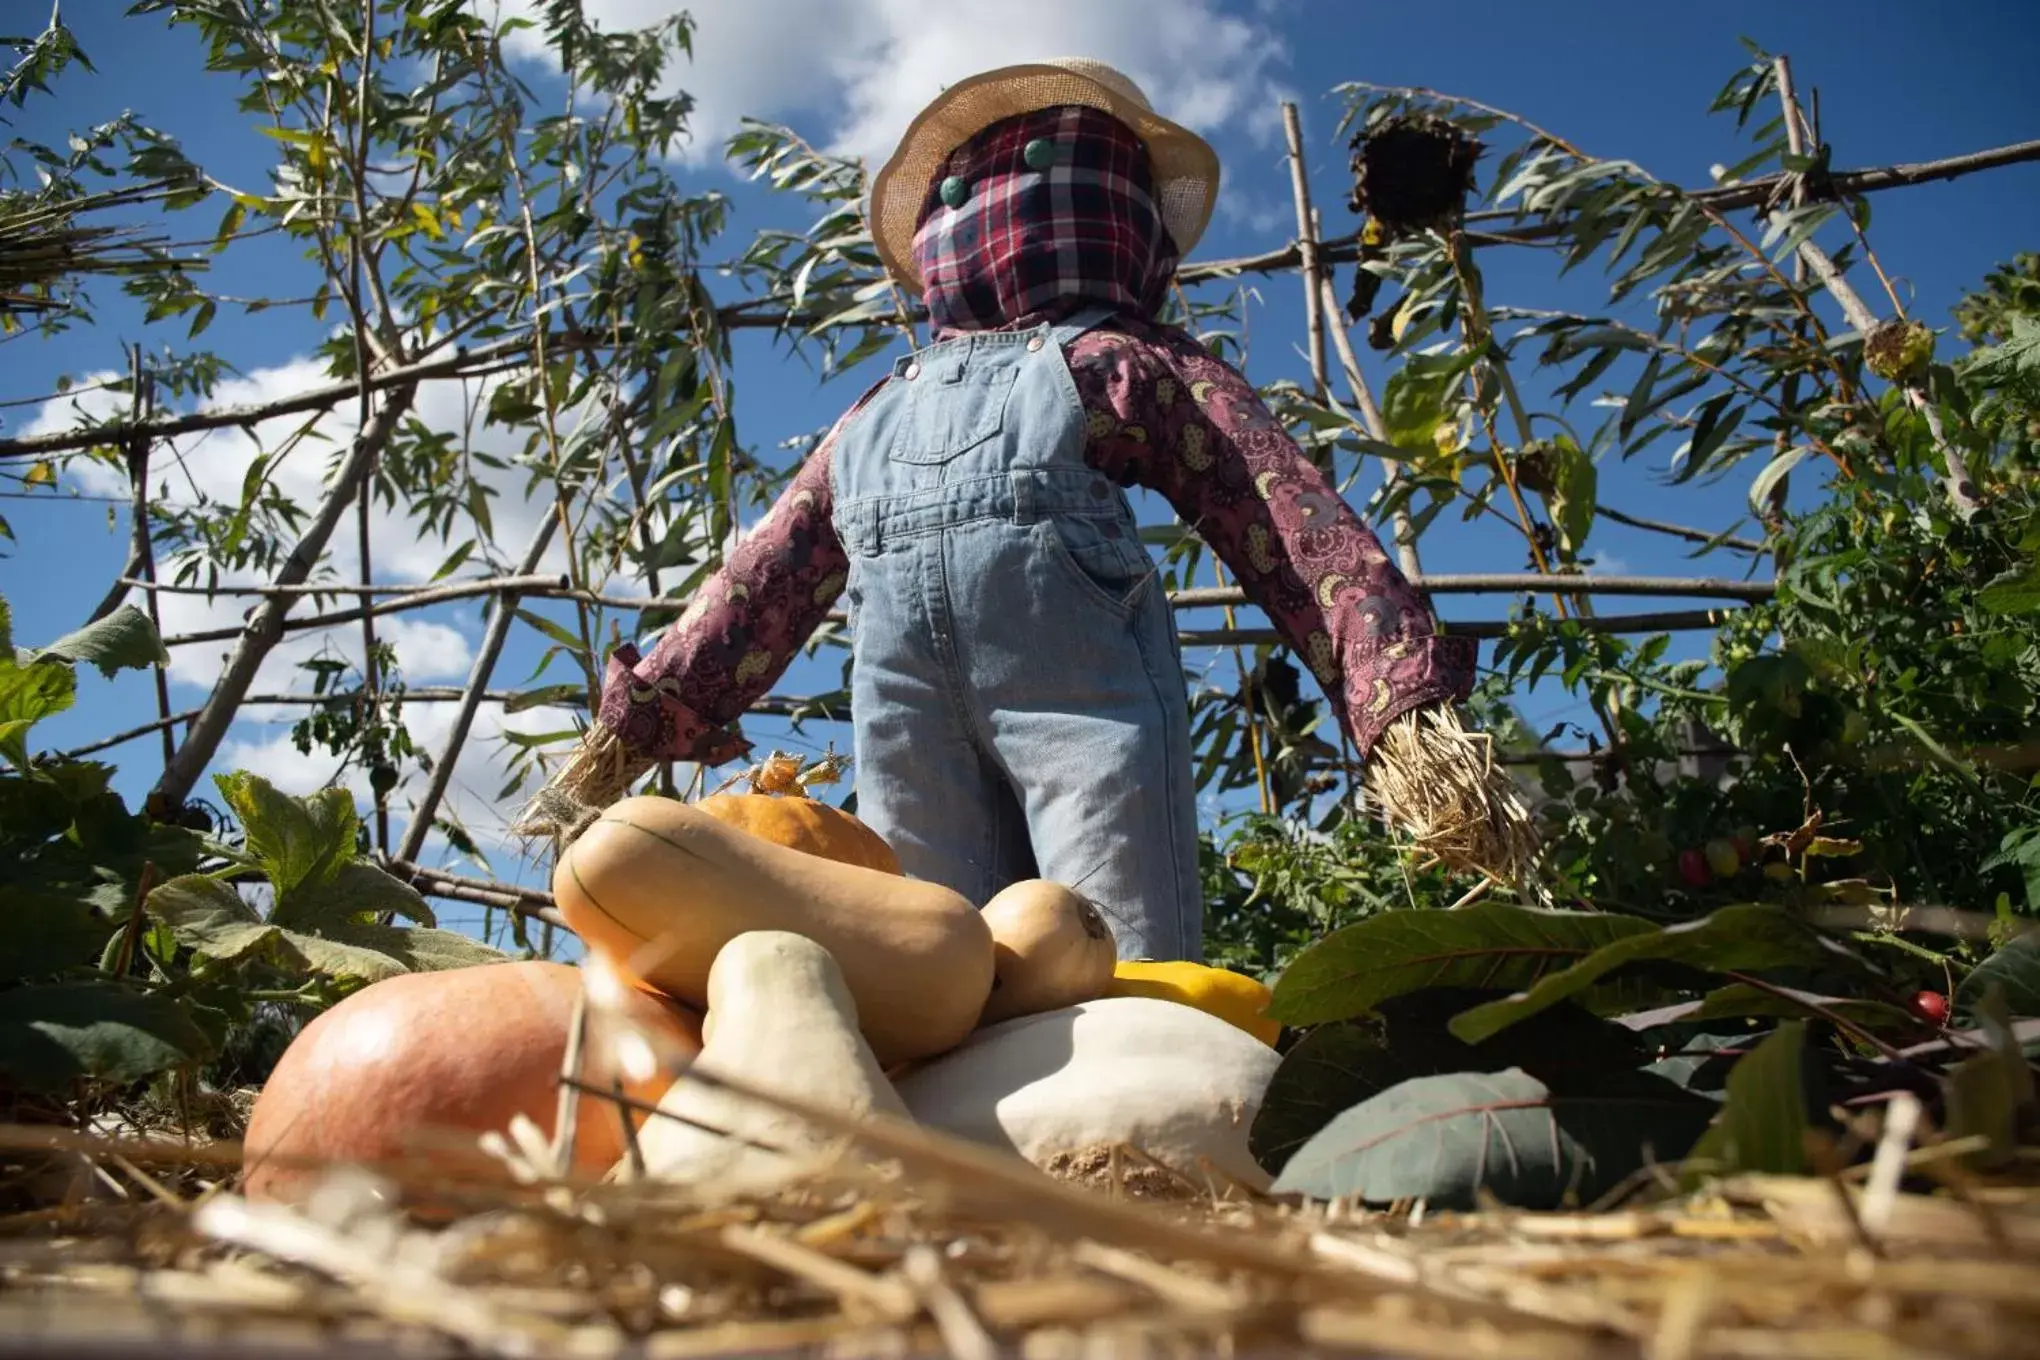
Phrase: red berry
[1693,869]
[1931,1007]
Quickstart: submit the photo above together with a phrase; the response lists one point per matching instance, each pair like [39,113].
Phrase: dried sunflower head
[1412,171]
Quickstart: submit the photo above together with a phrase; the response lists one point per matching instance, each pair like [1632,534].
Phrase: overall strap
[1077,322]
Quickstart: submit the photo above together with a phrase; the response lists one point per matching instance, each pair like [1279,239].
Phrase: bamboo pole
[539,586]
[1405,533]
[1307,251]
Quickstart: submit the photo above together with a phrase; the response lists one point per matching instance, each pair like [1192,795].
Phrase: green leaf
[1443,1138]
[1762,1127]
[28,694]
[1338,1066]
[1573,499]
[1990,1094]
[123,640]
[342,960]
[1734,939]
[356,891]
[417,949]
[295,840]
[211,918]
[1739,1000]
[2015,968]
[1489,946]
[48,932]
[2015,592]
[53,1036]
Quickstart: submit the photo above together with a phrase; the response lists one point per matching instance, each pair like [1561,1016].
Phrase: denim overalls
[1016,684]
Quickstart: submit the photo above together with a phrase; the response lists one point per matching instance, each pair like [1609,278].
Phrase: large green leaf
[1490,946]
[55,1035]
[1991,1093]
[342,960]
[2015,968]
[1338,1066]
[42,933]
[294,840]
[28,694]
[208,916]
[1443,1138]
[410,948]
[353,892]
[1734,939]
[1762,1127]
[123,640]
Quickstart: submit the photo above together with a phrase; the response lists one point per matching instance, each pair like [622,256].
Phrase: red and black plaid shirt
[1085,229]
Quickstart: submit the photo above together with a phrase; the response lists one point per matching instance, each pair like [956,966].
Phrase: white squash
[782,1019]
[1177,1083]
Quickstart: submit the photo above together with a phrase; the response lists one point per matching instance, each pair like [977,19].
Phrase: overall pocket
[1102,558]
[953,405]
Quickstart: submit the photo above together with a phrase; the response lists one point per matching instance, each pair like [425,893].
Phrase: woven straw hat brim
[1186,169]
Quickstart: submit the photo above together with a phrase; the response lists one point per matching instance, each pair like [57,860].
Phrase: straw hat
[1185,166]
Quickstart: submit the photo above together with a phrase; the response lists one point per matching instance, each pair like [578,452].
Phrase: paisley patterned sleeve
[739,632]
[1167,414]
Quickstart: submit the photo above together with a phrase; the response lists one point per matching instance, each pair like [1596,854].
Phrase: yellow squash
[1232,997]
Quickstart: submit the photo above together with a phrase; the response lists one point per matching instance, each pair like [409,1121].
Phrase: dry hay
[931,1246]
[1441,784]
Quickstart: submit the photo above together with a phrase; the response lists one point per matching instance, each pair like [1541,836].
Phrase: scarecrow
[1017,691]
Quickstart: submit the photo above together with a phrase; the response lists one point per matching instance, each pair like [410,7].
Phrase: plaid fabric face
[1022,239]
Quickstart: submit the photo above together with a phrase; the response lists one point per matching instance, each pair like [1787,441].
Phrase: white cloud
[852,73]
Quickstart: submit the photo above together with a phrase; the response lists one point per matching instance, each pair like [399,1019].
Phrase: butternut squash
[664,887]
[1050,948]
[1230,996]
[1181,1085]
[781,1018]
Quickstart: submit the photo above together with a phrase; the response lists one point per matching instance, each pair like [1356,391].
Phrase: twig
[266,627]
[1959,483]
[477,686]
[1658,526]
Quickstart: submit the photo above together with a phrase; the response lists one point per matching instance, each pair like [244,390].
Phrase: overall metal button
[913,372]
[1034,344]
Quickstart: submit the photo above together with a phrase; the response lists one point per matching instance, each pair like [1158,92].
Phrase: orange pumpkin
[414,1067]
[779,809]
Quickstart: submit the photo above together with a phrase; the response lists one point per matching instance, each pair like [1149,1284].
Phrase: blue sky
[1897,81]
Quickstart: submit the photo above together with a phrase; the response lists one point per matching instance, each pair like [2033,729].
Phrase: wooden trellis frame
[384,398]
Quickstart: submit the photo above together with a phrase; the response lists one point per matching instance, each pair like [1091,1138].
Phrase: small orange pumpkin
[778,808]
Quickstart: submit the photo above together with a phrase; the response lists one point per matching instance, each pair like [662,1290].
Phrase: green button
[1039,153]
[954,191]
